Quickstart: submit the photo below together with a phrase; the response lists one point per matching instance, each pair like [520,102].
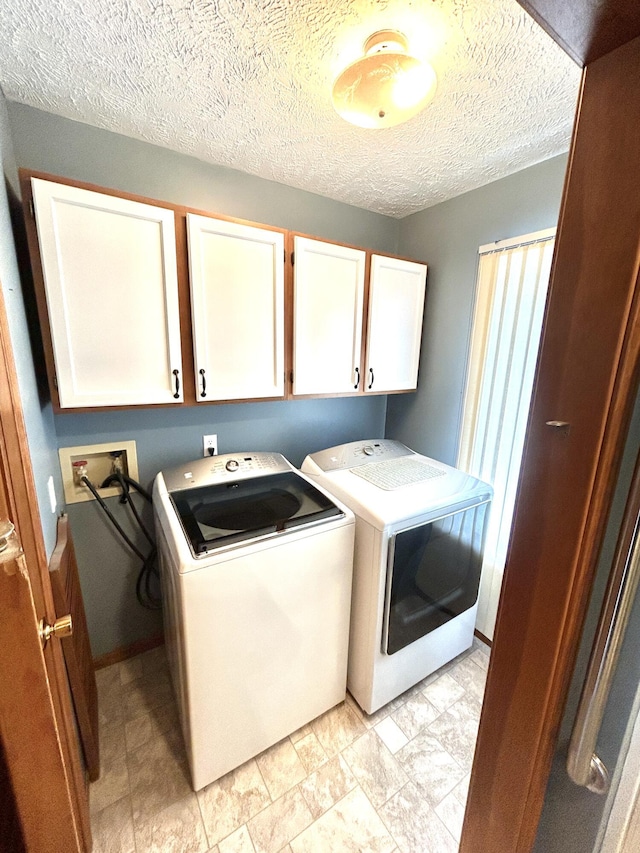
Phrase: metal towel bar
[583,765]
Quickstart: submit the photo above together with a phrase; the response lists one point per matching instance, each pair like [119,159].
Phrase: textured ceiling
[247,83]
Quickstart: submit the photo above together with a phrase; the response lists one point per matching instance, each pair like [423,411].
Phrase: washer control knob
[232,465]
[368,450]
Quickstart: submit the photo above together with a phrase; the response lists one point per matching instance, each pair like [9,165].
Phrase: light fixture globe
[386,86]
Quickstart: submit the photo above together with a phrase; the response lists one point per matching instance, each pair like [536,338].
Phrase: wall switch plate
[210,445]
[98,464]
[52,494]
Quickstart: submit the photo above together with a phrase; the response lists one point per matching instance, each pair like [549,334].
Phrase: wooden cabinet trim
[182,211]
[38,281]
[329,242]
[26,175]
[288,317]
[366,311]
[184,307]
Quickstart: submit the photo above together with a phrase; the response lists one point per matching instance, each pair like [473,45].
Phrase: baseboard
[483,638]
[125,652]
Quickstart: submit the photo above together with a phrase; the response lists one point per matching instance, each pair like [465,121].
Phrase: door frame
[587,377]
[36,716]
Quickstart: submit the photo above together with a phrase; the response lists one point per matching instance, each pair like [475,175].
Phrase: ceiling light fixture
[386,86]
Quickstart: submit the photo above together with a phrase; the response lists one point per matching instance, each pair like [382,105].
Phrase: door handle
[62,627]
[583,764]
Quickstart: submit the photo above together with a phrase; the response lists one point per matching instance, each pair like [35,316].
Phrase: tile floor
[393,781]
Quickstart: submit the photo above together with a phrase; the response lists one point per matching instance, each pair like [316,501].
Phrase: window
[513,277]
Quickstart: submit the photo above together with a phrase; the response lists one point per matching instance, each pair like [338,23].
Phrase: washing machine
[420,530]
[256,566]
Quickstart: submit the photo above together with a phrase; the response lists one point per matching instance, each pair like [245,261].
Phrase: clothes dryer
[420,529]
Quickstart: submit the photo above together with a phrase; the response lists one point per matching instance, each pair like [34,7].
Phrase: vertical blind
[513,277]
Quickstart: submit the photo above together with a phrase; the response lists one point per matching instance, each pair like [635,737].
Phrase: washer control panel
[358,453]
[224,468]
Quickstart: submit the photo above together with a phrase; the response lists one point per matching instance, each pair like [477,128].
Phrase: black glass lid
[224,513]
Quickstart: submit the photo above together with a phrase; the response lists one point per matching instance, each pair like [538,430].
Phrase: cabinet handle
[203,393]
[176,373]
[371,372]
[357,378]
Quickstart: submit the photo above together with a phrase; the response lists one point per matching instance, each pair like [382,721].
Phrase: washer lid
[221,514]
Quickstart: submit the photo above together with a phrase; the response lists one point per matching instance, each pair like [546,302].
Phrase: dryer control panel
[357,453]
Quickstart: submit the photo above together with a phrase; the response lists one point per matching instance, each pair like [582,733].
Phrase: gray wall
[67,148]
[38,415]
[170,436]
[447,237]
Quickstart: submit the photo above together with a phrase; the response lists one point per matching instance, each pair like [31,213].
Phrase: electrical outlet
[210,445]
[96,461]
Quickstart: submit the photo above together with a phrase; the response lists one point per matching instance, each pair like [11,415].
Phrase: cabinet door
[327,331]
[394,329]
[237,303]
[110,277]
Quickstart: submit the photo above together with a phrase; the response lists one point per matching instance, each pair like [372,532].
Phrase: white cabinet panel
[396,305]
[237,302]
[328,303]
[109,267]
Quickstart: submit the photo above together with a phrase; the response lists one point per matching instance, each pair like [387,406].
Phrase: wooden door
[328,300]
[67,598]
[107,271]
[48,798]
[586,383]
[394,326]
[236,274]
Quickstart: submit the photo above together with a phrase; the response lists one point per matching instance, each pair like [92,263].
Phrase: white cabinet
[110,279]
[237,305]
[394,327]
[327,317]
[329,298]
[114,285]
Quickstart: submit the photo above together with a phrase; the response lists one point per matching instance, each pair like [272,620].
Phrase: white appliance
[420,528]
[256,566]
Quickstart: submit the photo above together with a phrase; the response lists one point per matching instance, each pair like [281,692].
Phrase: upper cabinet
[126,285]
[237,307]
[110,280]
[332,299]
[328,299]
[394,327]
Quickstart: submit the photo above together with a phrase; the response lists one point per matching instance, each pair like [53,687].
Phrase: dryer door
[433,575]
